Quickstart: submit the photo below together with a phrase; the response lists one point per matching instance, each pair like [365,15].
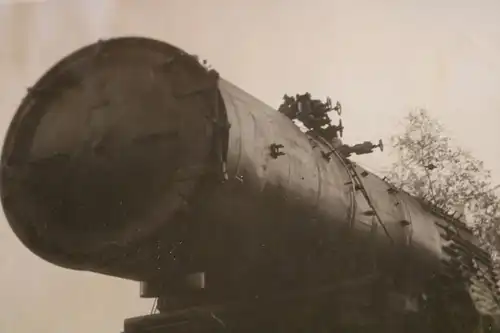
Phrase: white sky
[379,58]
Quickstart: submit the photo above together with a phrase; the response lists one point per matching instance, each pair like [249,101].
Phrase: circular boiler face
[106,147]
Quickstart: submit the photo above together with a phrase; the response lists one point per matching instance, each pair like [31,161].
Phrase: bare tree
[429,166]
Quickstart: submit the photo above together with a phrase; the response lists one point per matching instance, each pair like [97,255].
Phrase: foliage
[429,166]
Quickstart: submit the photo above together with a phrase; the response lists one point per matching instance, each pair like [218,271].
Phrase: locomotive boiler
[131,159]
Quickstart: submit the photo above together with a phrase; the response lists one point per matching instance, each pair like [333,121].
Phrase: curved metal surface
[304,176]
[273,215]
[106,148]
[113,164]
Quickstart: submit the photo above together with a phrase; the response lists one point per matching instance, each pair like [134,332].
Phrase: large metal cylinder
[129,158]
[96,156]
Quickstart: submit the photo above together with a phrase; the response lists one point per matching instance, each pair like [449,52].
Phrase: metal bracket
[275,150]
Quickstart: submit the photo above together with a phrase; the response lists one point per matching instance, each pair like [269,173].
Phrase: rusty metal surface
[120,161]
